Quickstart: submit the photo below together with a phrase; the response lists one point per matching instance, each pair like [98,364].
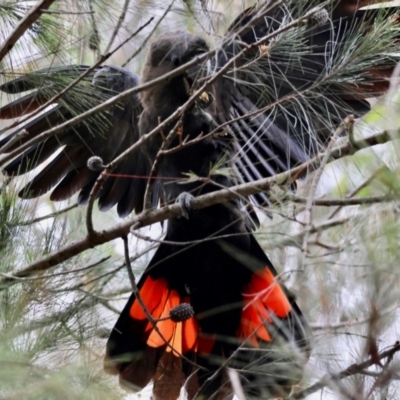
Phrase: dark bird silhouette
[272,110]
[243,318]
[228,281]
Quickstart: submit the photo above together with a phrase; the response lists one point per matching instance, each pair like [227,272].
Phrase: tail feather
[168,351]
[262,297]
[32,157]
[38,125]
[168,378]
[179,337]
[58,168]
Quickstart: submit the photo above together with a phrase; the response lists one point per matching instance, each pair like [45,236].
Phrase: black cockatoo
[273,108]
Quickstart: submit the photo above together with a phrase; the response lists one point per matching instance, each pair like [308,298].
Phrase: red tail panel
[166,328]
[153,294]
[205,343]
[262,296]
[190,331]
[159,300]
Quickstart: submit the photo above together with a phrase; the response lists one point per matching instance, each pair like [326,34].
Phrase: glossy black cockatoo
[282,93]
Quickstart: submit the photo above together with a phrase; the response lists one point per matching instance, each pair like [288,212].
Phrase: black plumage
[212,275]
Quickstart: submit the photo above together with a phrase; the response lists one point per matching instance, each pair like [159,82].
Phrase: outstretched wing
[279,101]
[283,98]
[106,135]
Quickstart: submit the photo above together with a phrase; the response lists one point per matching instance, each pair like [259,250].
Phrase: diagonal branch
[60,94]
[34,13]
[174,210]
[118,26]
[353,369]
[104,106]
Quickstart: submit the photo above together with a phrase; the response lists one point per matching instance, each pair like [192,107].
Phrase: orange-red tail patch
[181,337]
[262,297]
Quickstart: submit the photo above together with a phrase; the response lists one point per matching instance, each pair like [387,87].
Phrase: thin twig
[349,323]
[51,276]
[357,190]
[67,12]
[94,36]
[110,272]
[131,275]
[349,201]
[317,177]
[39,219]
[191,242]
[297,240]
[118,26]
[92,197]
[104,302]
[157,163]
[149,36]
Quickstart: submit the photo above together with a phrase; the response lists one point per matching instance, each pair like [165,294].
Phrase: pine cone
[319,18]
[181,313]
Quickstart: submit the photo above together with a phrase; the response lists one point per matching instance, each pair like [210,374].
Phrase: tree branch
[353,369]
[350,201]
[34,13]
[151,216]
[60,94]
[39,219]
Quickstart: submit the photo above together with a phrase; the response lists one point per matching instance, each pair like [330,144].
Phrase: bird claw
[185,202]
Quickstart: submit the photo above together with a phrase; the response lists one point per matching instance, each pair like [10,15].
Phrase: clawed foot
[185,202]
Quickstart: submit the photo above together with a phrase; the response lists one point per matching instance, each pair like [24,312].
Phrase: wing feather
[278,101]
[106,136]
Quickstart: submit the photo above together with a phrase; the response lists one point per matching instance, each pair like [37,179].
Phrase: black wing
[279,102]
[282,100]
[106,136]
